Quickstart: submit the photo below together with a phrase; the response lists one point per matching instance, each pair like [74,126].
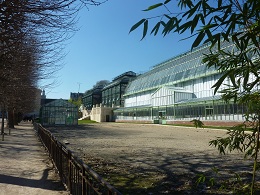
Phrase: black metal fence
[74,173]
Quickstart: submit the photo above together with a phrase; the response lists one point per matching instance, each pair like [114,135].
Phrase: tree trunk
[15,118]
[10,118]
[2,126]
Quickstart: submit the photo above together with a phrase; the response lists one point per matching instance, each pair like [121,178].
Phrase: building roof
[183,67]
[196,100]
[59,103]
[128,73]
[123,78]
[46,101]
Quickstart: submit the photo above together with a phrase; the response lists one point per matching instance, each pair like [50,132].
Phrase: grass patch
[82,122]
[137,183]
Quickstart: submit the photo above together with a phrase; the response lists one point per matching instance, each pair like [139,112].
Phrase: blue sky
[103,48]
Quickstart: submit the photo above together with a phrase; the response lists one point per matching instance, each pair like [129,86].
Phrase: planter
[156,121]
[163,122]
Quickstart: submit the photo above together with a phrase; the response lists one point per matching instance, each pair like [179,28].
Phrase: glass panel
[182,66]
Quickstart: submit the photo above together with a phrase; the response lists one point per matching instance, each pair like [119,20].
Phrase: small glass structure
[59,112]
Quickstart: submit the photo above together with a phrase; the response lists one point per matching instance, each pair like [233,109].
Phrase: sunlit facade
[178,89]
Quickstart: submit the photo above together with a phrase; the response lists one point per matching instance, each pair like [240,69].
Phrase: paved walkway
[24,165]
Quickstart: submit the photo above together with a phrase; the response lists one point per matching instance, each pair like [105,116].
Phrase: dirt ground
[153,159]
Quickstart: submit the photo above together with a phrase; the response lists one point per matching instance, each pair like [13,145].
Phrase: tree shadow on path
[42,183]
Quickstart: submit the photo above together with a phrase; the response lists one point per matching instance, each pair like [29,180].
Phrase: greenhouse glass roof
[179,68]
[60,103]
[196,100]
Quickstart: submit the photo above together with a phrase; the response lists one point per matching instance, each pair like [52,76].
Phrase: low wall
[208,123]
[134,121]
[186,122]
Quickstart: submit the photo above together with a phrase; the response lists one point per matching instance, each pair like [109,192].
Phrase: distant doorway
[162,114]
[209,113]
[60,118]
[107,118]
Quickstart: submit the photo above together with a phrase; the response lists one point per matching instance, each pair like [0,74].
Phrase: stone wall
[208,123]
[100,113]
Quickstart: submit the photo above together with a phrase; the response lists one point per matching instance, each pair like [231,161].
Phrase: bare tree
[101,84]
[32,35]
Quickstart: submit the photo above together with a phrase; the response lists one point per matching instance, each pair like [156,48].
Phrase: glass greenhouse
[179,89]
[59,112]
[180,68]
[203,109]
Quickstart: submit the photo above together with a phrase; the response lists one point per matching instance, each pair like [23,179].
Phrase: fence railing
[74,173]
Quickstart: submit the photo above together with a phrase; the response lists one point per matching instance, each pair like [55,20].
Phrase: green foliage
[233,21]
[153,6]
[237,139]
[201,179]
[235,183]
[218,23]
[77,102]
[215,20]
[197,123]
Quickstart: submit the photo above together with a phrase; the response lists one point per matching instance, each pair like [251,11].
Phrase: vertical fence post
[70,168]
[70,171]
[60,161]
[51,146]
[83,180]
[55,151]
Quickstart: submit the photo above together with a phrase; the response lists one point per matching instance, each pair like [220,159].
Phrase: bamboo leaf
[209,26]
[163,23]
[212,181]
[167,16]
[156,28]
[232,78]
[145,28]
[219,3]
[135,26]
[194,23]
[198,39]
[153,6]
[235,39]
[185,26]
[167,1]
[219,82]
[168,27]
[246,77]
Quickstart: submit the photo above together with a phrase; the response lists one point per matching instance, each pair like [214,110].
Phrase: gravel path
[25,167]
[175,154]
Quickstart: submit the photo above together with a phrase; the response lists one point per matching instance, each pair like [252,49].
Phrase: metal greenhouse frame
[59,112]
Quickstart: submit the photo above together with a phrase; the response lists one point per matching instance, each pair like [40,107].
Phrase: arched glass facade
[178,89]
[184,67]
